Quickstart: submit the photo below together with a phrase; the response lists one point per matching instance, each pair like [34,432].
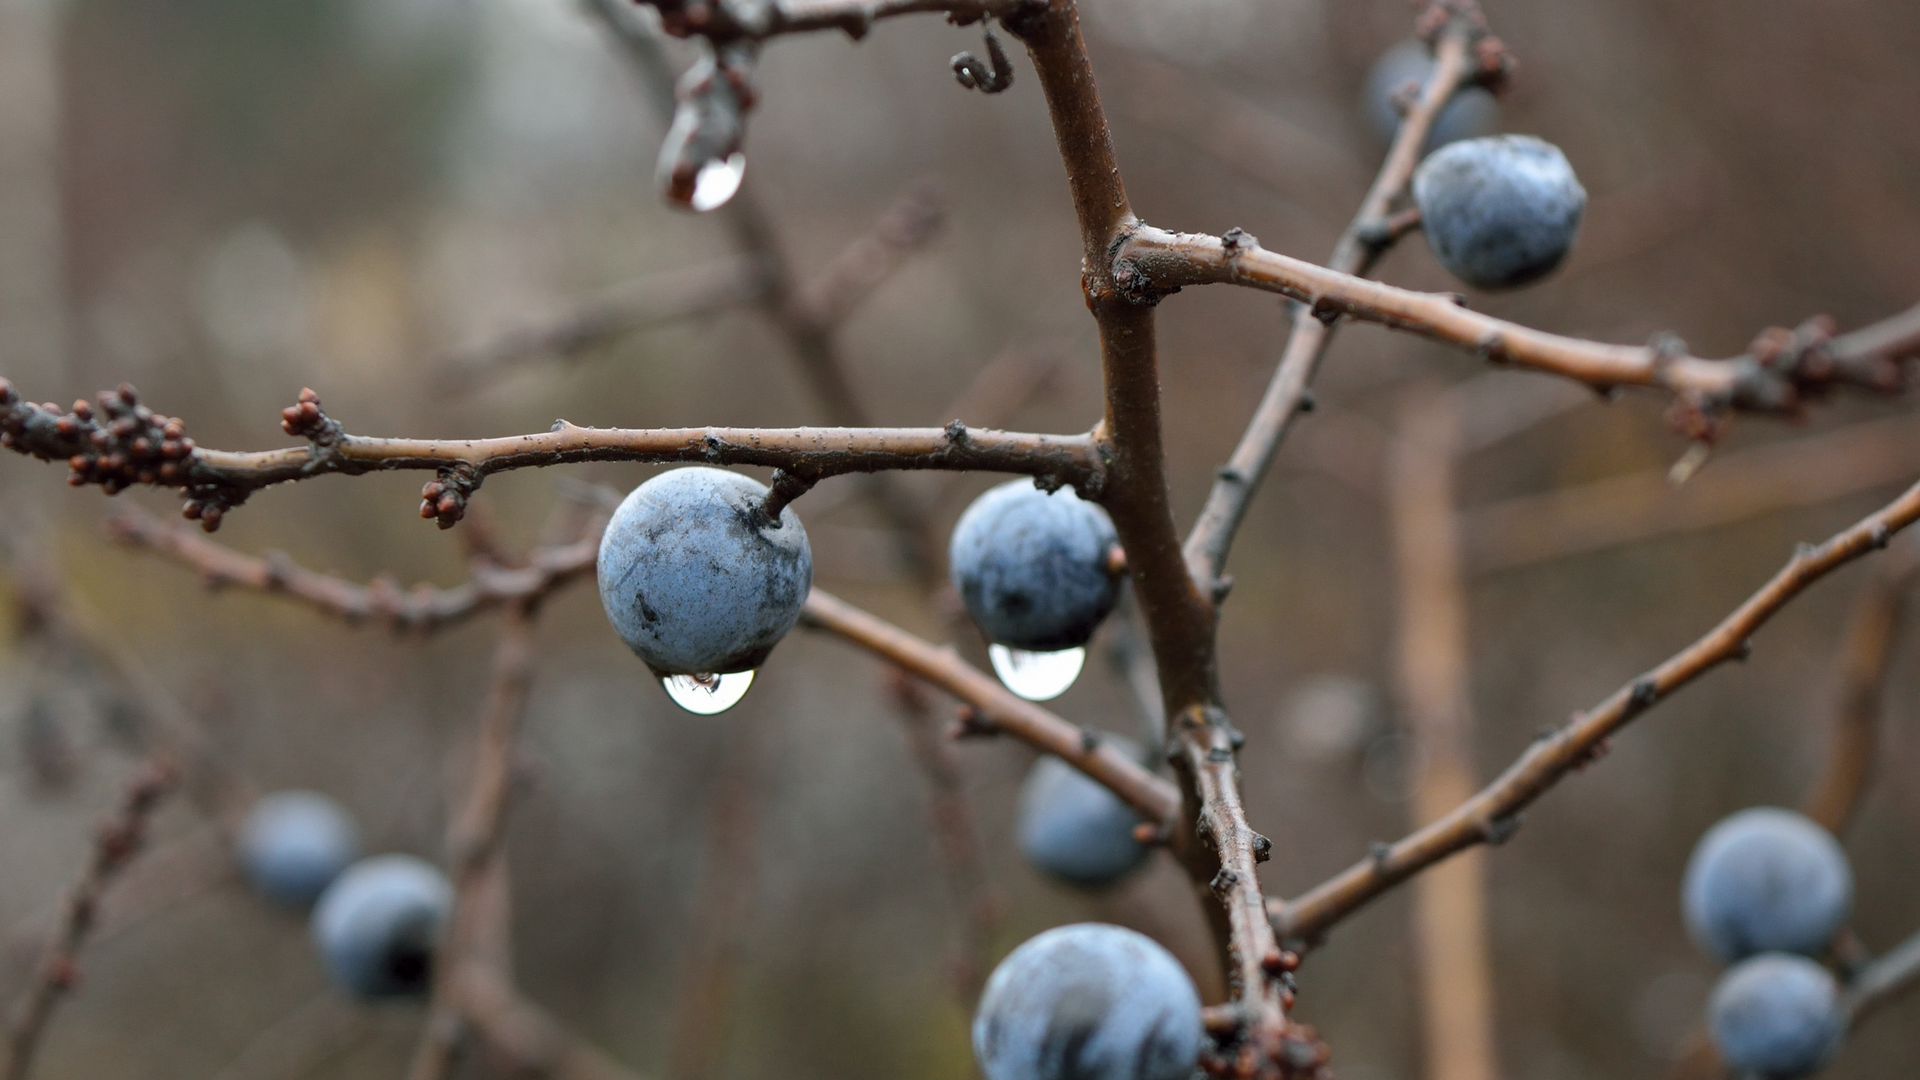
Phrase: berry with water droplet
[695,577]
[378,925]
[1032,567]
[1088,1002]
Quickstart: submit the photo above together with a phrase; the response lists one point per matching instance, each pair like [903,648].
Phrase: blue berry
[1088,1002]
[377,926]
[694,576]
[1076,829]
[1767,880]
[1472,112]
[1776,1016]
[1032,567]
[294,843]
[1499,212]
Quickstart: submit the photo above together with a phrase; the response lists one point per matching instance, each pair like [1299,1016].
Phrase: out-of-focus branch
[1738,486]
[834,291]
[722,917]
[1778,375]
[1366,238]
[1883,981]
[1432,665]
[526,1035]
[1866,655]
[476,841]
[993,708]
[422,608]
[625,309]
[117,841]
[1492,814]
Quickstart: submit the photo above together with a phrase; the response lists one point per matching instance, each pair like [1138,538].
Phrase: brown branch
[731,20]
[1866,656]
[703,1012]
[526,1035]
[422,608]
[1366,238]
[1221,850]
[995,709]
[117,841]
[476,839]
[1734,487]
[120,443]
[1432,669]
[1778,375]
[1492,814]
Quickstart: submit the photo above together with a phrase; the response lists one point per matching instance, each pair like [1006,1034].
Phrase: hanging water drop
[706,695]
[1037,676]
[716,182]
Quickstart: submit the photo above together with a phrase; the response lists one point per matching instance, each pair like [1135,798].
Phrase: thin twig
[1866,658]
[1359,247]
[121,443]
[117,841]
[1895,973]
[476,839]
[1778,376]
[1492,814]
[420,608]
[994,708]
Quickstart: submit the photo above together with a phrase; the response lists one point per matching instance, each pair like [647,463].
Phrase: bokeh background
[222,202]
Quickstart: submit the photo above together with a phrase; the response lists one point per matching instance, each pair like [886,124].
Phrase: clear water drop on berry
[1037,676]
[717,180]
[707,695]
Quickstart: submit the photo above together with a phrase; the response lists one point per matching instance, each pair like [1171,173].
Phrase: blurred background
[222,202]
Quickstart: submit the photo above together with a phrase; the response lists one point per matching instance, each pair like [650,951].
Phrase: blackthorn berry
[696,578]
[1075,828]
[1033,567]
[377,926]
[1088,1002]
[294,843]
[1767,880]
[1499,212]
[1472,112]
[1776,1016]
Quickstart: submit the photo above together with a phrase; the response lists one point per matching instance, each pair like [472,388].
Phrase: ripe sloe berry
[1076,829]
[1499,212]
[377,926]
[694,576]
[1033,567]
[1766,880]
[294,843]
[1776,1016]
[1472,112]
[1088,1002]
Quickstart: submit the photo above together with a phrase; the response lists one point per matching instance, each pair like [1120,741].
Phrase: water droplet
[705,695]
[716,182]
[1037,676]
